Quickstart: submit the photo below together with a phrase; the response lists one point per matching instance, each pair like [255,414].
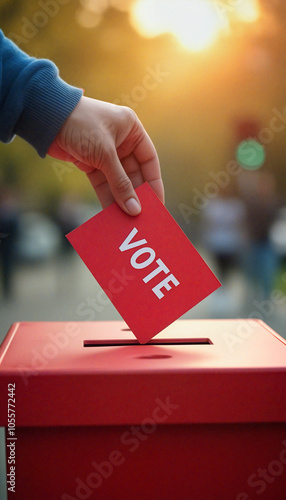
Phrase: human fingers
[139,145]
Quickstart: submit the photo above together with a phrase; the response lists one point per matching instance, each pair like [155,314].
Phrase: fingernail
[133,206]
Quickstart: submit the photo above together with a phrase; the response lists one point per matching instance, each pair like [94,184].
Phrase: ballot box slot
[131,342]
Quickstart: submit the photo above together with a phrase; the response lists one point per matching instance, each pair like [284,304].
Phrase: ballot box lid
[96,373]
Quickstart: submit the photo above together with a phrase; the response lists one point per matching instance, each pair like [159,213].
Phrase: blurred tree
[187,101]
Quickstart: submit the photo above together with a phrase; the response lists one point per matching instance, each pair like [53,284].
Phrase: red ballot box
[199,413]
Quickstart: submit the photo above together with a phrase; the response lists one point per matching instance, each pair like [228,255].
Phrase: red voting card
[145,264]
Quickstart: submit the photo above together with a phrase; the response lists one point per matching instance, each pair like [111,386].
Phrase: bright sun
[195,23]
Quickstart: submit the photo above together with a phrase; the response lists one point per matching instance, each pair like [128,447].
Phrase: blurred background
[208,80]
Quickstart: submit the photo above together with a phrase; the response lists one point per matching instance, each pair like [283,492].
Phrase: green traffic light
[250,154]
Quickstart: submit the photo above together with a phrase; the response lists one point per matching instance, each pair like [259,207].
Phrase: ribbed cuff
[48,101]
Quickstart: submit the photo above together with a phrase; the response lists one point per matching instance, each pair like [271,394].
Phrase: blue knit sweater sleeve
[34,100]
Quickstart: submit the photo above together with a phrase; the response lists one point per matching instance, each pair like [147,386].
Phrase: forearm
[34,101]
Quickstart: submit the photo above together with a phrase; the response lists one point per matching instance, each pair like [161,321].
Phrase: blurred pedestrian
[224,231]
[9,223]
[69,215]
[262,204]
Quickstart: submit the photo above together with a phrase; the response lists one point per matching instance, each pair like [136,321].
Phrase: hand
[109,143]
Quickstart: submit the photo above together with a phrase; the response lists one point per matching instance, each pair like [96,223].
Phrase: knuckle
[122,184]
[128,114]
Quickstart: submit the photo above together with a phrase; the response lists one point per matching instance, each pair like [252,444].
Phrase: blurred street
[62,289]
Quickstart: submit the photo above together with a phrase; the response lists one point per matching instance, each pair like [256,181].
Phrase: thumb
[121,186]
